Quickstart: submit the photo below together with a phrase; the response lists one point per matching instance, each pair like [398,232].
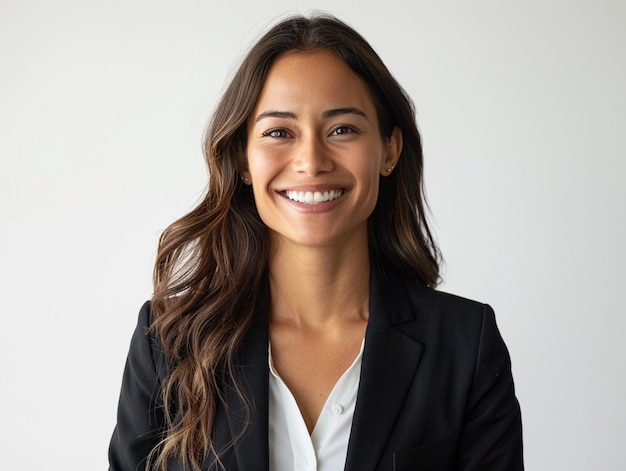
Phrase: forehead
[310,79]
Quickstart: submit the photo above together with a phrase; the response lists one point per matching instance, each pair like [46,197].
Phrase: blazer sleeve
[492,436]
[140,417]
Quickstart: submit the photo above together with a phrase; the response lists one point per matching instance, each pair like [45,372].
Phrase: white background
[523,112]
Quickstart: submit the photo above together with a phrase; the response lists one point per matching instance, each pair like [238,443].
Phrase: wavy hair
[211,263]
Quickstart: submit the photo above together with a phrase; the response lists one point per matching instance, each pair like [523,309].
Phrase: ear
[242,167]
[392,150]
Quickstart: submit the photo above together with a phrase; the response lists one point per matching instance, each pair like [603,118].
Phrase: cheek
[367,171]
[373,191]
[370,178]
[262,166]
[257,172]
[262,172]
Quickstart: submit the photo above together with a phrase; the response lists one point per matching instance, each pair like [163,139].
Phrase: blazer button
[338,409]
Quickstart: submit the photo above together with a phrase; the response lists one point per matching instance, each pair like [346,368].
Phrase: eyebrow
[340,111]
[325,115]
[275,114]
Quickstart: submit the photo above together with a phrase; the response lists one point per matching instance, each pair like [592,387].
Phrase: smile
[313,197]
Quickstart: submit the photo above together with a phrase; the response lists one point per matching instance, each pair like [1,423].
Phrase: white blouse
[291,447]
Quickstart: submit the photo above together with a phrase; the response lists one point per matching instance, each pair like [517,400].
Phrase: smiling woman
[294,322]
[315,152]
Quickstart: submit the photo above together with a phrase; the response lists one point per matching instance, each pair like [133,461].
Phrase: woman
[294,323]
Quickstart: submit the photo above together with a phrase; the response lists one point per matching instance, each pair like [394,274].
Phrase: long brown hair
[211,263]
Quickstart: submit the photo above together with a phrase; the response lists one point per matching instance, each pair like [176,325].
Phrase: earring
[244,179]
[390,169]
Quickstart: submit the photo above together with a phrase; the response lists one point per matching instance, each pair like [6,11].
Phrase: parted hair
[211,263]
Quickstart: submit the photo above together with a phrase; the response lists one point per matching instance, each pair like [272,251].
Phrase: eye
[341,130]
[276,133]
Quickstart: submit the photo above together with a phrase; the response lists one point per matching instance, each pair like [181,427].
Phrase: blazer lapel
[390,359]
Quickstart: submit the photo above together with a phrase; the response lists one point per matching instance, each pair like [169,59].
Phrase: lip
[318,187]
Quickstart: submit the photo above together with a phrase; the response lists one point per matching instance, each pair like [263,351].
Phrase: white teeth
[313,197]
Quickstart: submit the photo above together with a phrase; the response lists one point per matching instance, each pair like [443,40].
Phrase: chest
[310,366]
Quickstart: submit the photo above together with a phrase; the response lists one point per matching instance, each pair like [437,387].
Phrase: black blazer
[436,391]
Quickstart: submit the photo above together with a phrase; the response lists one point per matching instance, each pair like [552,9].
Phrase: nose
[312,157]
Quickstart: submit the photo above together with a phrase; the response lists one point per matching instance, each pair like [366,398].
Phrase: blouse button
[338,409]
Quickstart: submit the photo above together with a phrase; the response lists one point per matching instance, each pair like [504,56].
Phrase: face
[315,152]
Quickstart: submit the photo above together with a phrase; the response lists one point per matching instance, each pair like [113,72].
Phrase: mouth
[313,197]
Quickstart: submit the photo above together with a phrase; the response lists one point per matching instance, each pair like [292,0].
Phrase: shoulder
[405,300]
[452,326]
[440,306]
[437,319]
[437,301]
[439,312]
[146,351]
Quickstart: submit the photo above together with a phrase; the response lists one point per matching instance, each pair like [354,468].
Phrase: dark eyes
[282,133]
[339,130]
[276,133]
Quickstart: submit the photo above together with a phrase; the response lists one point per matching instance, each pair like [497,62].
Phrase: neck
[314,287]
